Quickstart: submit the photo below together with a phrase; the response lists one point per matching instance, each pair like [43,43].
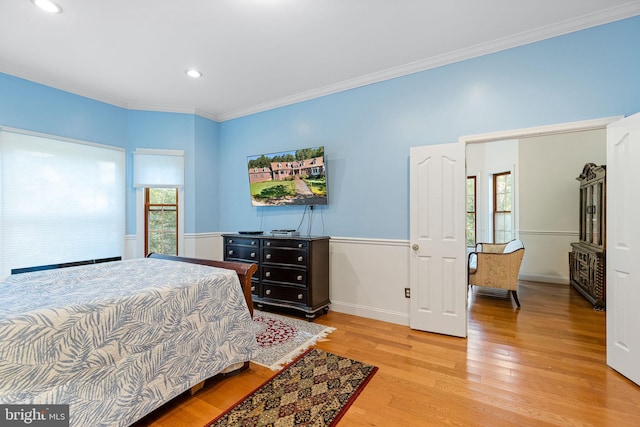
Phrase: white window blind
[158,168]
[61,200]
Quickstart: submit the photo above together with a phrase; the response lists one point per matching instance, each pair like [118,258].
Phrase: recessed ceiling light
[193,73]
[48,5]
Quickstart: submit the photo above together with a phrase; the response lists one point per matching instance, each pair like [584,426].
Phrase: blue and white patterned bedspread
[117,340]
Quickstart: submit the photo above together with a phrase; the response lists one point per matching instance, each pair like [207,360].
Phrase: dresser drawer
[284,275]
[282,243]
[284,256]
[246,241]
[285,293]
[292,272]
[241,253]
[255,287]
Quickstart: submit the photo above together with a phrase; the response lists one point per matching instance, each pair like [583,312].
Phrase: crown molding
[624,11]
[627,10]
[46,80]
[172,109]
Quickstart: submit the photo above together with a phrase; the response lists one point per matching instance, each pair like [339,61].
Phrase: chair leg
[514,294]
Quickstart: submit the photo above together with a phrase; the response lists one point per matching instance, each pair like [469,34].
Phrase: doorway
[545,194]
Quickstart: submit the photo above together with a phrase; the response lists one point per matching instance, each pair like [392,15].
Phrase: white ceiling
[260,54]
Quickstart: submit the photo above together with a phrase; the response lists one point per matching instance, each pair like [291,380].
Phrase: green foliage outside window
[162,220]
[471,211]
[503,231]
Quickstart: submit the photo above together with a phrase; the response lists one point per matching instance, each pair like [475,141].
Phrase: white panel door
[437,235]
[623,247]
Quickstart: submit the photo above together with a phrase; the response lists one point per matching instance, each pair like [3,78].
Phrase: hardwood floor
[541,365]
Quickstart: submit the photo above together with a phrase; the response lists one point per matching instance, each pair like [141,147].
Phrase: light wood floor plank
[542,365]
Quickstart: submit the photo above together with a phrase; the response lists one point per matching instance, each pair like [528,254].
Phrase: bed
[116,340]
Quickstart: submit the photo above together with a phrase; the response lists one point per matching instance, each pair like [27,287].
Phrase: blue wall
[38,108]
[206,169]
[35,107]
[367,132]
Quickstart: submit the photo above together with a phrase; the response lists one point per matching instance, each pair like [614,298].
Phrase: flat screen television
[296,177]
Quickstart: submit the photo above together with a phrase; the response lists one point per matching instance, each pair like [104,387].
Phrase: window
[159,181]
[471,211]
[502,216]
[161,220]
[61,200]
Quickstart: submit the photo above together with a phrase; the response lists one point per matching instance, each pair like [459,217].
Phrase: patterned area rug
[315,390]
[282,338]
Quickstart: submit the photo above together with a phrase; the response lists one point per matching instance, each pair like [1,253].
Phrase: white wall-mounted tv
[296,177]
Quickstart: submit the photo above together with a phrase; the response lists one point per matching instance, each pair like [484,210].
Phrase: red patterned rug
[281,338]
[314,390]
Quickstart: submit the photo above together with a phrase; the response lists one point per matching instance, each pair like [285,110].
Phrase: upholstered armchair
[496,266]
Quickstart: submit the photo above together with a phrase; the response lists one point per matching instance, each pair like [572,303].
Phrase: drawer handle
[268,292]
[231,252]
[300,296]
[300,258]
[268,243]
[299,277]
[300,245]
[268,256]
[253,242]
[253,254]
[253,288]
[267,274]
[230,240]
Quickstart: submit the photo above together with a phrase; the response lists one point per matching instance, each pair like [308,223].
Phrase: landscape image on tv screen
[296,177]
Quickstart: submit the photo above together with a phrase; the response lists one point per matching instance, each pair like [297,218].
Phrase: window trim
[495,210]
[475,208]
[140,223]
[147,205]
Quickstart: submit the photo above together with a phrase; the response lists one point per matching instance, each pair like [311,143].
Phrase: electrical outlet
[407,292]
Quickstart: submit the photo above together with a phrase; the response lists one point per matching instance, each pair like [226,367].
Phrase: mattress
[117,340]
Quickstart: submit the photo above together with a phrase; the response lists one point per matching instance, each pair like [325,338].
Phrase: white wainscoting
[202,245]
[368,277]
[130,246]
[546,256]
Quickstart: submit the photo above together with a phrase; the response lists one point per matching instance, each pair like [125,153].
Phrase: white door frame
[559,128]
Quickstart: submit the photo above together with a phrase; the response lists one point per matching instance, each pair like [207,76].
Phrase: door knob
[415,247]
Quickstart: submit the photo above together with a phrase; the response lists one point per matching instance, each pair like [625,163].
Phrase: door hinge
[407,292]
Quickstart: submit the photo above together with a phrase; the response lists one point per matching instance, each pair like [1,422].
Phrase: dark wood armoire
[587,258]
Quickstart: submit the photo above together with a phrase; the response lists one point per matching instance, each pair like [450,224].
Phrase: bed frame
[244,270]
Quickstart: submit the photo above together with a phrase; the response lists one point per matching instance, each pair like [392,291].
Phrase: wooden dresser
[293,272]
[587,259]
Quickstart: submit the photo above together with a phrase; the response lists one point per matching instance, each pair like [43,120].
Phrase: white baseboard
[370,312]
[560,280]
